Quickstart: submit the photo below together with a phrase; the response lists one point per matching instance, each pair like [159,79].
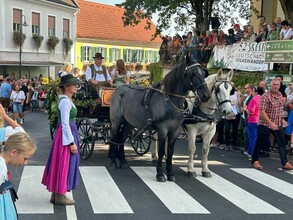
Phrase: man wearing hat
[238,33]
[96,72]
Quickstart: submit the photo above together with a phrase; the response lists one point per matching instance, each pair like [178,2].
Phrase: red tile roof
[100,21]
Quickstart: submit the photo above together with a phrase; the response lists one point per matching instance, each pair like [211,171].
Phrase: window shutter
[104,54]
[155,56]
[142,56]
[111,55]
[82,57]
[125,55]
[134,56]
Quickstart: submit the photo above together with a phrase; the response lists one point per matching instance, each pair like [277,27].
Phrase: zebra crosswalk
[105,194]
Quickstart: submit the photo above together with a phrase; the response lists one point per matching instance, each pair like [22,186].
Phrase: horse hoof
[171,178]
[206,174]
[161,179]
[192,174]
[123,165]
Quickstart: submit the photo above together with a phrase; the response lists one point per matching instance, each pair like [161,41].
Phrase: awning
[32,63]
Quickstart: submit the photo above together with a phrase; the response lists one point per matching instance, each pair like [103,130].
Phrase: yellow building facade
[268,8]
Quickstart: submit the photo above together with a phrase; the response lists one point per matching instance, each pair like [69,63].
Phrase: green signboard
[280,51]
[279,57]
[270,76]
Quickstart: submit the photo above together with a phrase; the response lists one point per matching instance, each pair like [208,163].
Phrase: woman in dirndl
[61,173]
[119,74]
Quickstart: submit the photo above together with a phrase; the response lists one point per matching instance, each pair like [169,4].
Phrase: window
[17,16]
[35,23]
[51,26]
[65,28]
[148,56]
[85,54]
[127,55]
[139,56]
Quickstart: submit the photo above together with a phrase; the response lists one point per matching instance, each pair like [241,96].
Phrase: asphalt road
[235,190]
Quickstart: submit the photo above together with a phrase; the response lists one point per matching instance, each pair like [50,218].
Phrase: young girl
[18,149]
[61,172]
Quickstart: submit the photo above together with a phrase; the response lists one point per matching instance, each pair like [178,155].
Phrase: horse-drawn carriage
[93,120]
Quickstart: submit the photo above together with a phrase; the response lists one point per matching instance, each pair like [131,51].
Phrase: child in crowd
[34,99]
[18,149]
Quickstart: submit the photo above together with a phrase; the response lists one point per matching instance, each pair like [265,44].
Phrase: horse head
[221,91]
[194,76]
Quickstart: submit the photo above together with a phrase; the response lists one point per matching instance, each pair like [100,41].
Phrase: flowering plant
[52,42]
[18,38]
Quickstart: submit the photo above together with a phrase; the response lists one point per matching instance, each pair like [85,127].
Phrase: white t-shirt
[286,34]
[3,170]
[17,96]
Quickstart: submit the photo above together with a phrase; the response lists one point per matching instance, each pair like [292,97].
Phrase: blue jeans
[252,134]
[17,107]
[34,105]
[262,134]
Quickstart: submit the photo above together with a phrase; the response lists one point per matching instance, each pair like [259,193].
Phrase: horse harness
[198,116]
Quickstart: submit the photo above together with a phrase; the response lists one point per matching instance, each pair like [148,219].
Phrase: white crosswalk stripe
[239,197]
[33,196]
[103,192]
[105,196]
[174,198]
[267,180]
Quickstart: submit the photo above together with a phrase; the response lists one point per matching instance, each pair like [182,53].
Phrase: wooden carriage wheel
[86,137]
[141,144]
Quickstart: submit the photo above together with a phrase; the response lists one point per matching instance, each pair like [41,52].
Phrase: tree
[287,6]
[185,13]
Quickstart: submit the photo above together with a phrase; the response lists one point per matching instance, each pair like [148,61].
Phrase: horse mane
[175,76]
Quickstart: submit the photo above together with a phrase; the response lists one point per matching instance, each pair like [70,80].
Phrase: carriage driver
[96,72]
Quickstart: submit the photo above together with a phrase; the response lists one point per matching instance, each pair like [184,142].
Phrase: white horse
[220,87]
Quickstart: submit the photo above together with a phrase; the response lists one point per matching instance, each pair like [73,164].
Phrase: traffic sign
[280,51]
[279,45]
[279,57]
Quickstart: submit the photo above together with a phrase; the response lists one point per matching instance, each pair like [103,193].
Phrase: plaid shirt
[273,107]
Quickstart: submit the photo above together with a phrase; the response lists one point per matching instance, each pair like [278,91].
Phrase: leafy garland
[67,42]
[18,38]
[38,40]
[52,42]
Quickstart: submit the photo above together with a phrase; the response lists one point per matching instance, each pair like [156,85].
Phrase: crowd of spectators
[20,95]
[200,44]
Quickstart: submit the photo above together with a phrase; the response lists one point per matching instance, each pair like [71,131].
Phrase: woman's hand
[73,149]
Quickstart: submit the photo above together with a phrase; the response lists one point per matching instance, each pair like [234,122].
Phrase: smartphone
[6,186]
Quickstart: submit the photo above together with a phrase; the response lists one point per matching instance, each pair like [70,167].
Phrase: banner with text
[241,56]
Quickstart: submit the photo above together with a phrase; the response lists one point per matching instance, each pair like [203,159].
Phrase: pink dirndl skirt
[61,172]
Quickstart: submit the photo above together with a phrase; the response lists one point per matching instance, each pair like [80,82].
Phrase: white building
[44,17]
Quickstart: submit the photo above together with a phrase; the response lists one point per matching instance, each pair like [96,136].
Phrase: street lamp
[24,24]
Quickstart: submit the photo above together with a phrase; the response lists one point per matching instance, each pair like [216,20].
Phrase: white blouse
[65,106]
[17,96]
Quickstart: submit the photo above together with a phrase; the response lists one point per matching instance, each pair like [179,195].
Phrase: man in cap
[238,33]
[96,72]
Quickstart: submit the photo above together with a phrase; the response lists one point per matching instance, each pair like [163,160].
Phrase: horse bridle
[217,90]
[195,88]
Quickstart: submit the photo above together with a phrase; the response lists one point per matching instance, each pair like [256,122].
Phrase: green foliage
[52,42]
[18,38]
[84,103]
[52,100]
[184,13]
[38,40]
[156,72]
[67,43]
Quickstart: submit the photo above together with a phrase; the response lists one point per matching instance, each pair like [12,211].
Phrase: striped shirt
[273,107]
